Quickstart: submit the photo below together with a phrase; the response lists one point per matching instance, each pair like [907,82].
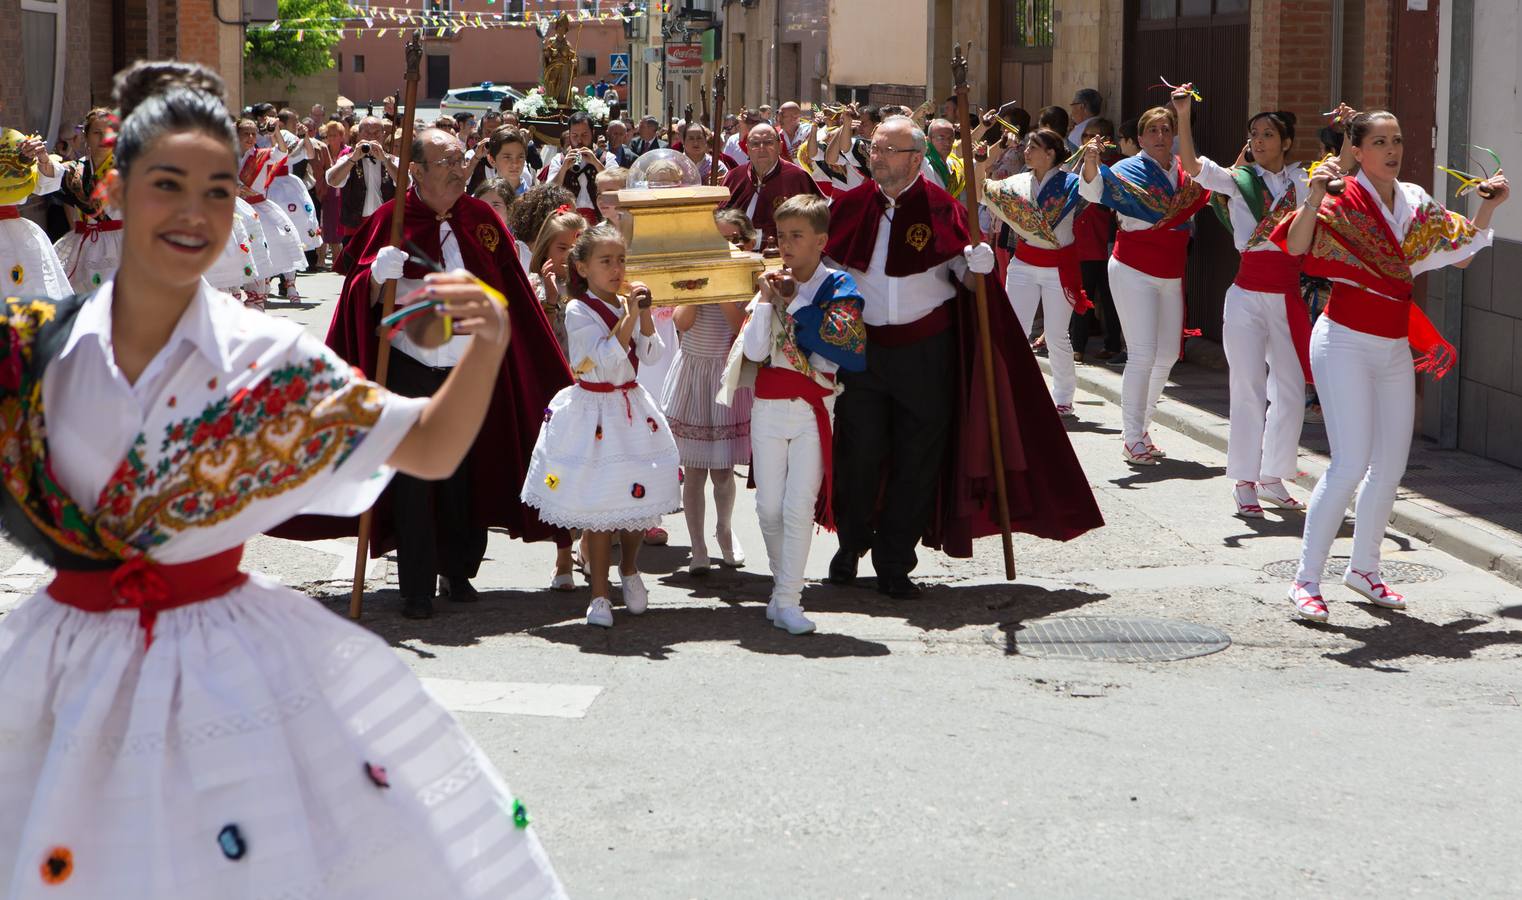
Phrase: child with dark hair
[186,728]
[605,461]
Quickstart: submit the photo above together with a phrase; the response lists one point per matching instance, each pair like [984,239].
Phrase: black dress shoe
[843,569]
[460,590]
[898,587]
[417,607]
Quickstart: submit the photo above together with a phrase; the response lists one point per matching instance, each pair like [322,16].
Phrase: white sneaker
[771,611]
[636,598]
[793,619]
[600,613]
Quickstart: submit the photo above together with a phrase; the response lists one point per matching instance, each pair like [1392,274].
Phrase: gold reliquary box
[676,249]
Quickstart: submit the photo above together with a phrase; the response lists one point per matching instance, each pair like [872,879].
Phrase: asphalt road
[907,750]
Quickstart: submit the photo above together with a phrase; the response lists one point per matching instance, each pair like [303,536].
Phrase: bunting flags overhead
[442,22]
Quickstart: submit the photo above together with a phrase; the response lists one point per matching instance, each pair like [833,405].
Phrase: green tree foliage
[278,54]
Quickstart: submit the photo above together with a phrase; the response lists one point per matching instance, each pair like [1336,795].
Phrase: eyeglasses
[761,143]
[454,160]
[881,149]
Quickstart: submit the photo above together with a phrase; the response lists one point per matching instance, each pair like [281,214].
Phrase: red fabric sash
[1371,313]
[281,168]
[610,319]
[9,212]
[779,383]
[604,387]
[1268,272]
[94,227]
[1065,261]
[926,326]
[252,166]
[1161,253]
[148,587]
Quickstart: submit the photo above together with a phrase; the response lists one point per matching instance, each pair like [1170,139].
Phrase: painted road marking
[562,701]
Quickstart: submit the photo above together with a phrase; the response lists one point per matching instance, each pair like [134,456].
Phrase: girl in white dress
[29,264]
[605,461]
[169,725]
[256,169]
[92,251]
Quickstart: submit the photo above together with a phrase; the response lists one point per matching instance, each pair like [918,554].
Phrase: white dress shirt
[1219,180]
[901,301]
[757,335]
[446,355]
[373,198]
[734,150]
[1075,137]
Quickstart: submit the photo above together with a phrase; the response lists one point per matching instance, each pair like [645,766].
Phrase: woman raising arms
[1371,240]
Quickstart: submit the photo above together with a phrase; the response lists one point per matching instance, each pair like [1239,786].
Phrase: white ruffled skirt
[90,258]
[28,262]
[603,462]
[286,251]
[296,202]
[263,747]
[235,267]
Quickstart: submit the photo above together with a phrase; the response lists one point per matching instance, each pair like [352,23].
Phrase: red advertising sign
[684,56]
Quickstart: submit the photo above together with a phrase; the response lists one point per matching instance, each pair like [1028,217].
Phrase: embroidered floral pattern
[262,441]
[1280,211]
[1365,239]
[1434,229]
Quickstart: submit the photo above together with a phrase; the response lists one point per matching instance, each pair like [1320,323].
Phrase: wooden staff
[716,139]
[980,290]
[670,121]
[707,119]
[388,298]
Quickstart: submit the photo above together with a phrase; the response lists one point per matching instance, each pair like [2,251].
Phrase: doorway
[438,77]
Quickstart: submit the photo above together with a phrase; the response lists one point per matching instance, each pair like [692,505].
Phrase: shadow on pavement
[1083,426]
[1402,636]
[1282,524]
[1169,470]
[950,607]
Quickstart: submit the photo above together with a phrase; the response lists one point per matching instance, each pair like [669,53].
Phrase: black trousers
[1096,283]
[433,519]
[898,411]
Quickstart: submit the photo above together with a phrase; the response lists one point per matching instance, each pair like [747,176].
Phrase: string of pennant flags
[441,22]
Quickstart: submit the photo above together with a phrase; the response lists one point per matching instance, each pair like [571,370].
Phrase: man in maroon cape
[758,187]
[439,528]
[912,457]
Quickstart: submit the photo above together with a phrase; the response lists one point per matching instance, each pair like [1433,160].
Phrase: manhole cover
[1118,640]
[1393,572]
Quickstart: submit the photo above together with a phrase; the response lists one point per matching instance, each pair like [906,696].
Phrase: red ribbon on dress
[9,212]
[148,587]
[778,383]
[92,228]
[1389,317]
[1271,272]
[603,387]
[1065,261]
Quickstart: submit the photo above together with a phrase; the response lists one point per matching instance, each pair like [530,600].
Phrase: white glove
[980,259]
[388,264]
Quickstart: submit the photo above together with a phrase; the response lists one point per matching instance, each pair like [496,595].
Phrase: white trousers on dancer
[1367,387]
[784,442]
[1030,286]
[1152,317]
[1267,387]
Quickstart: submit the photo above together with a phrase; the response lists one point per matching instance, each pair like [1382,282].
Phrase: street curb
[1479,548]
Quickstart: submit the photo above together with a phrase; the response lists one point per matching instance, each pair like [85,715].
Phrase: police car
[485,97]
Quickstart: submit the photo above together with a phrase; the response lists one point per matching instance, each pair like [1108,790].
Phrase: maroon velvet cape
[1048,492]
[786,180]
[533,369]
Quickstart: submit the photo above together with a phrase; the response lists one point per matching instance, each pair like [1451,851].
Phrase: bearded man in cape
[912,457]
[439,528]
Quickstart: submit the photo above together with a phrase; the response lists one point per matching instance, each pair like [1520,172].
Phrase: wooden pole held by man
[388,297]
[970,201]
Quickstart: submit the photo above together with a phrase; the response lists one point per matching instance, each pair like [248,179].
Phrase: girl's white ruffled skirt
[292,196]
[89,258]
[285,249]
[603,462]
[262,747]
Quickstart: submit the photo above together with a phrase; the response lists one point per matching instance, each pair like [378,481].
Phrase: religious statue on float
[559,60]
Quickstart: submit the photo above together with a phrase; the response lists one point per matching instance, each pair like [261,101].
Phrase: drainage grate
[1393,572]
[1117,640]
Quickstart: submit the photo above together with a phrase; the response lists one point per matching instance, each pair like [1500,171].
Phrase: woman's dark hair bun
[1287,116]
[165,97]
[146,79]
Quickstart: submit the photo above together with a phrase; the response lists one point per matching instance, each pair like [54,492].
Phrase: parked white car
[485,97]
